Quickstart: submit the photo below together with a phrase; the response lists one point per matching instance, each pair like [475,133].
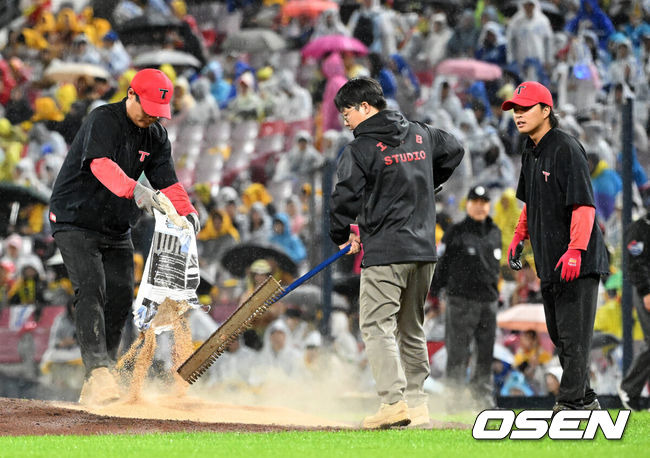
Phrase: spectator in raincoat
[334,71]
[182,101]
[442,97]
[372,25]
[463,40]
[625,68]
[247,104]
[408,87]
[597,19]
[285,240]
[12,140]
[115,56]
[219,87]
[606,184]
[437,39]
[529,37]
[278,358]
[380,71]
[492,44]
[123,83]
[205,111]
[30,285]
[217,236]
[259,228]
[298,103]
[506,217]
[235,366]
[329,23]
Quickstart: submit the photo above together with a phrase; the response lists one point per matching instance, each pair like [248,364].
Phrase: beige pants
[391,302]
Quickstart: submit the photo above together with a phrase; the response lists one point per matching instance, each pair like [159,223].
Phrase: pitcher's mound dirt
[189,408]
[21,417]
[24,417]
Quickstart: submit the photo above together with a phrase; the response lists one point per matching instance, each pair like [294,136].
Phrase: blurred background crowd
[255,136]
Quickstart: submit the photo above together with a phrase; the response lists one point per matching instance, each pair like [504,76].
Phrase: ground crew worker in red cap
[95,202]
[558,217]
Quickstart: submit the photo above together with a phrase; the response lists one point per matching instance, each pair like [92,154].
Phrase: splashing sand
[145,397]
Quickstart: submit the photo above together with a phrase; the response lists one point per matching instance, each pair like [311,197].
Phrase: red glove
[570,264]
[517,244]
[514,252]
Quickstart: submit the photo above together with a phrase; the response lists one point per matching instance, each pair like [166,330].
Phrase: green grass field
[394,443]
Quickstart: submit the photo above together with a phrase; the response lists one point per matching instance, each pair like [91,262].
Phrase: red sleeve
[179,198]
[582,221]
[113,177]
[522,225]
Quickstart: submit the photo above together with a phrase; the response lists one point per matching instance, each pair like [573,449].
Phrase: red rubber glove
[517,244]
[514,252]
[570,264]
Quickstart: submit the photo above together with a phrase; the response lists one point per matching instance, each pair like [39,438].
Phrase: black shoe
[593,405]
[559,407]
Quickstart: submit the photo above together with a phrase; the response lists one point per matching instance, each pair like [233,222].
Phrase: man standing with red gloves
[558,217]
[95,203]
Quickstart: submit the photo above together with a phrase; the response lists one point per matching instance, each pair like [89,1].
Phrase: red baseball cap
[155,90]
[527,94]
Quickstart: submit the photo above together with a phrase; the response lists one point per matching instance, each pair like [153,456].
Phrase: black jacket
[79,200]
[386,181]
[637,241]
[470,252]
[554,178]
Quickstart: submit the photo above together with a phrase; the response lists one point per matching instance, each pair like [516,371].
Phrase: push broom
[269,292]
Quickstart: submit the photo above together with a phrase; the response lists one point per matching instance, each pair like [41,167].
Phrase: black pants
[639,373]
[570,310]
[101,271]
[468,321]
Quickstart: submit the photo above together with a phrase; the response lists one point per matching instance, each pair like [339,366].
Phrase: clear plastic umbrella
[166,56]
[254,40]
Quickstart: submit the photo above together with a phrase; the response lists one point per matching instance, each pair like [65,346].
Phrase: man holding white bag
[95,203]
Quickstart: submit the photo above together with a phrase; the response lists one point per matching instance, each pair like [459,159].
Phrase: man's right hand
[514,252]
[146,199]
[646,302]
[355,242]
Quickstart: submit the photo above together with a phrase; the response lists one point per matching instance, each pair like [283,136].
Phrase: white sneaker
[420,417]
[99,388]
[625,398]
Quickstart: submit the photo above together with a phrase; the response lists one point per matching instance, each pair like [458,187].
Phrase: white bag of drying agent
[171,271]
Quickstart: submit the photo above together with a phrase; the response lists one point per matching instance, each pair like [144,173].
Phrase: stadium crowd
[254,135]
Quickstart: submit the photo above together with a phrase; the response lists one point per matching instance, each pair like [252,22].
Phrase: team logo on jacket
[142,154]
[52,217]
[546,175]
[497,253]
[635,247]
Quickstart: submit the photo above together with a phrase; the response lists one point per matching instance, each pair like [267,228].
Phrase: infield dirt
[25,417]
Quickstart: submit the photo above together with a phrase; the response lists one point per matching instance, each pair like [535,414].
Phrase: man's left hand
[570,262]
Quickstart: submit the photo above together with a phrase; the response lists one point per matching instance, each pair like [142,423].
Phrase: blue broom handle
[314,271]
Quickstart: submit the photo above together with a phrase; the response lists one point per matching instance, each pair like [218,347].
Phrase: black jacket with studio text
[386,181]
